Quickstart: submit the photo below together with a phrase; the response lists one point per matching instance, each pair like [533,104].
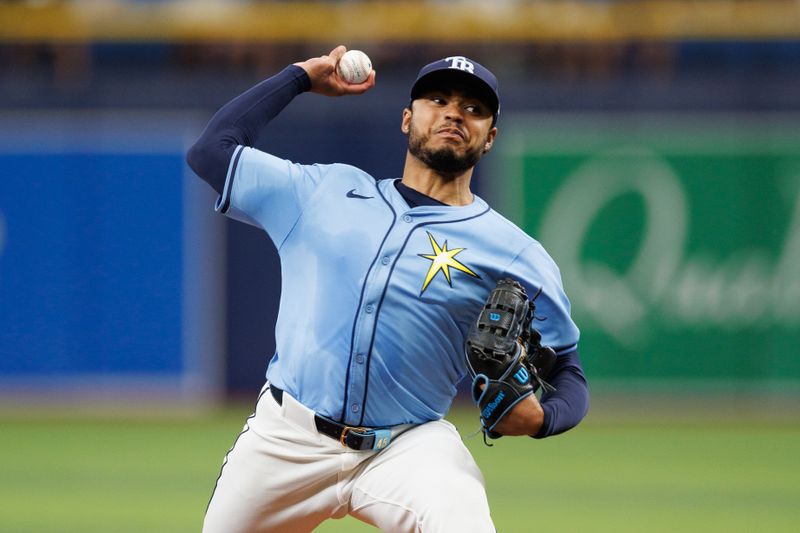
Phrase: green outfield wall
[678,239]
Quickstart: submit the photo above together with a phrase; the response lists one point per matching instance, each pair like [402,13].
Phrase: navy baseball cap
[459,69]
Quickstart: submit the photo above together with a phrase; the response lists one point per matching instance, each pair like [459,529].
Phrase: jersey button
[406,218]
[354,408]
[385,261]
[359,358]
[369,309]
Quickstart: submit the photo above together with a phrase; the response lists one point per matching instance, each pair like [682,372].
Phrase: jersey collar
[425,213]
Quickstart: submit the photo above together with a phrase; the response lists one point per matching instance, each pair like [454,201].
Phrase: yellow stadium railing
[503,21]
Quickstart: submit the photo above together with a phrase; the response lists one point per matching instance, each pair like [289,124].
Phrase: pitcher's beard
[445,161]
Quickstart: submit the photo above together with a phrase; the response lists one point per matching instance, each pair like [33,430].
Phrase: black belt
[355,438]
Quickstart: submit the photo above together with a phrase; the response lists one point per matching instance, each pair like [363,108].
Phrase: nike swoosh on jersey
[353,194]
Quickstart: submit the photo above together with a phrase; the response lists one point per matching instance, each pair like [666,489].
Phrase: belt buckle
[362,431]
[345,431]
[382,437]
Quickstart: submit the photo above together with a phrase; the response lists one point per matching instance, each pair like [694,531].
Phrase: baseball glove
[504,354]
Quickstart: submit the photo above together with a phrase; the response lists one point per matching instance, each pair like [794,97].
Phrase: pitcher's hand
[325,80]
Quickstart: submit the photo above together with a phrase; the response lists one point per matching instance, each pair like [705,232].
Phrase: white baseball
[354,66]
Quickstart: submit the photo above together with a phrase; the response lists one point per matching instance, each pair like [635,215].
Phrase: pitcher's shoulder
[508,230]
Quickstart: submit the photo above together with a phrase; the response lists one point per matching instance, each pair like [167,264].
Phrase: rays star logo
[442,260]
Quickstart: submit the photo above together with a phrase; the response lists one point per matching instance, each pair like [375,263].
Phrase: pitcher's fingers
[359,88]
[337,53]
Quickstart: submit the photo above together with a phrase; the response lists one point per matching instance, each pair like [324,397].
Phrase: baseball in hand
[354,66]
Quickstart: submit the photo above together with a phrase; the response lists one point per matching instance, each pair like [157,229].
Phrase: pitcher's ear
[405,124]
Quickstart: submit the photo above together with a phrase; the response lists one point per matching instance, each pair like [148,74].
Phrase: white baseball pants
[283,475]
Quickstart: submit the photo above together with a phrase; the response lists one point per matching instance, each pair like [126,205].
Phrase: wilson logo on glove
[489,409]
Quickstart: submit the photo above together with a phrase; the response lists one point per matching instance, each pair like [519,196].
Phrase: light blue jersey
[377,297]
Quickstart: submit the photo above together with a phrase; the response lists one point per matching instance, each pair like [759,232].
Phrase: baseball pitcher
[393,290]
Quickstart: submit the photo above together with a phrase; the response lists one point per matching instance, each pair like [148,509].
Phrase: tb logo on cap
[461,63]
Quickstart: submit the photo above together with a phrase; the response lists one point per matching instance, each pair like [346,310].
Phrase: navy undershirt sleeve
[565,407]
[240,121]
